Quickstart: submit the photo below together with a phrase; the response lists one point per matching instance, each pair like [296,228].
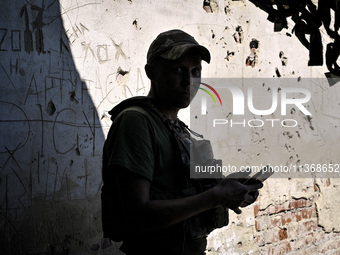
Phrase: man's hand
[232,193]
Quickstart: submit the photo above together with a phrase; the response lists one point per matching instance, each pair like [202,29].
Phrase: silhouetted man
[149,200]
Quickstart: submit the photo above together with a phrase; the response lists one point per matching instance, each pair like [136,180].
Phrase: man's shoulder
[140,104]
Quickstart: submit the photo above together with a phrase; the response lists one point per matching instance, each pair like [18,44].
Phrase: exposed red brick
[279,208]
[283,234]
[288,247]
[298,216]
[256,210]
[307,213]
[298,203]
[309,238]
[274,209]
[287,218]
[276,221]
[306,227]
[293,204]
[280,249]
[309,203]
[257,226]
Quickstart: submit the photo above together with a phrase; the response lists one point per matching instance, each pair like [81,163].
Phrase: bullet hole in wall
[252,59]
[283,58]
[121,72]
[238,35]
[278,74]
[206,6]
[122,77]
[73,96]
[50,109]
[135,24]
[309,120]
[229,56]
[210,6]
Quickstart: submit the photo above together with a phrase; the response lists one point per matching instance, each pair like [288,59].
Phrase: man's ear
[149,72]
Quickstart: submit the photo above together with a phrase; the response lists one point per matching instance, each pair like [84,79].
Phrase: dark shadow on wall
[50,137]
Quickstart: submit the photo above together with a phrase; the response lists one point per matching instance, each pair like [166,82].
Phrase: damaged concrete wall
[51,136]
[65,64]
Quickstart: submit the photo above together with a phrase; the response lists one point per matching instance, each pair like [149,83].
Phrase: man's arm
[145,214]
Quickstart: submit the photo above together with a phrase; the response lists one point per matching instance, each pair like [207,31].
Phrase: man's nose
[187,78]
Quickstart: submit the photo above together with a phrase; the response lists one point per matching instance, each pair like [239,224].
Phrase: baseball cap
[173,44]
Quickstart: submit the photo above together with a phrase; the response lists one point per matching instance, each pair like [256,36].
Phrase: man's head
[173,61]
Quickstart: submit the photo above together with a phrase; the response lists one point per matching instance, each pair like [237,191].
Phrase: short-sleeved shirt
[141,142]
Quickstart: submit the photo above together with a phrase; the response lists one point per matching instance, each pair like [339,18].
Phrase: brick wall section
[299,218]
[292,228]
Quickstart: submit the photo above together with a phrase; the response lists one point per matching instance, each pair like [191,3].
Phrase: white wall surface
[56,94]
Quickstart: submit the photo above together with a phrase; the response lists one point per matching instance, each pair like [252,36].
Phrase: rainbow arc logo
[210,94]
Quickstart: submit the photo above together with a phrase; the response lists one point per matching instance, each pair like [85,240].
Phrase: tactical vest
[197,226]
